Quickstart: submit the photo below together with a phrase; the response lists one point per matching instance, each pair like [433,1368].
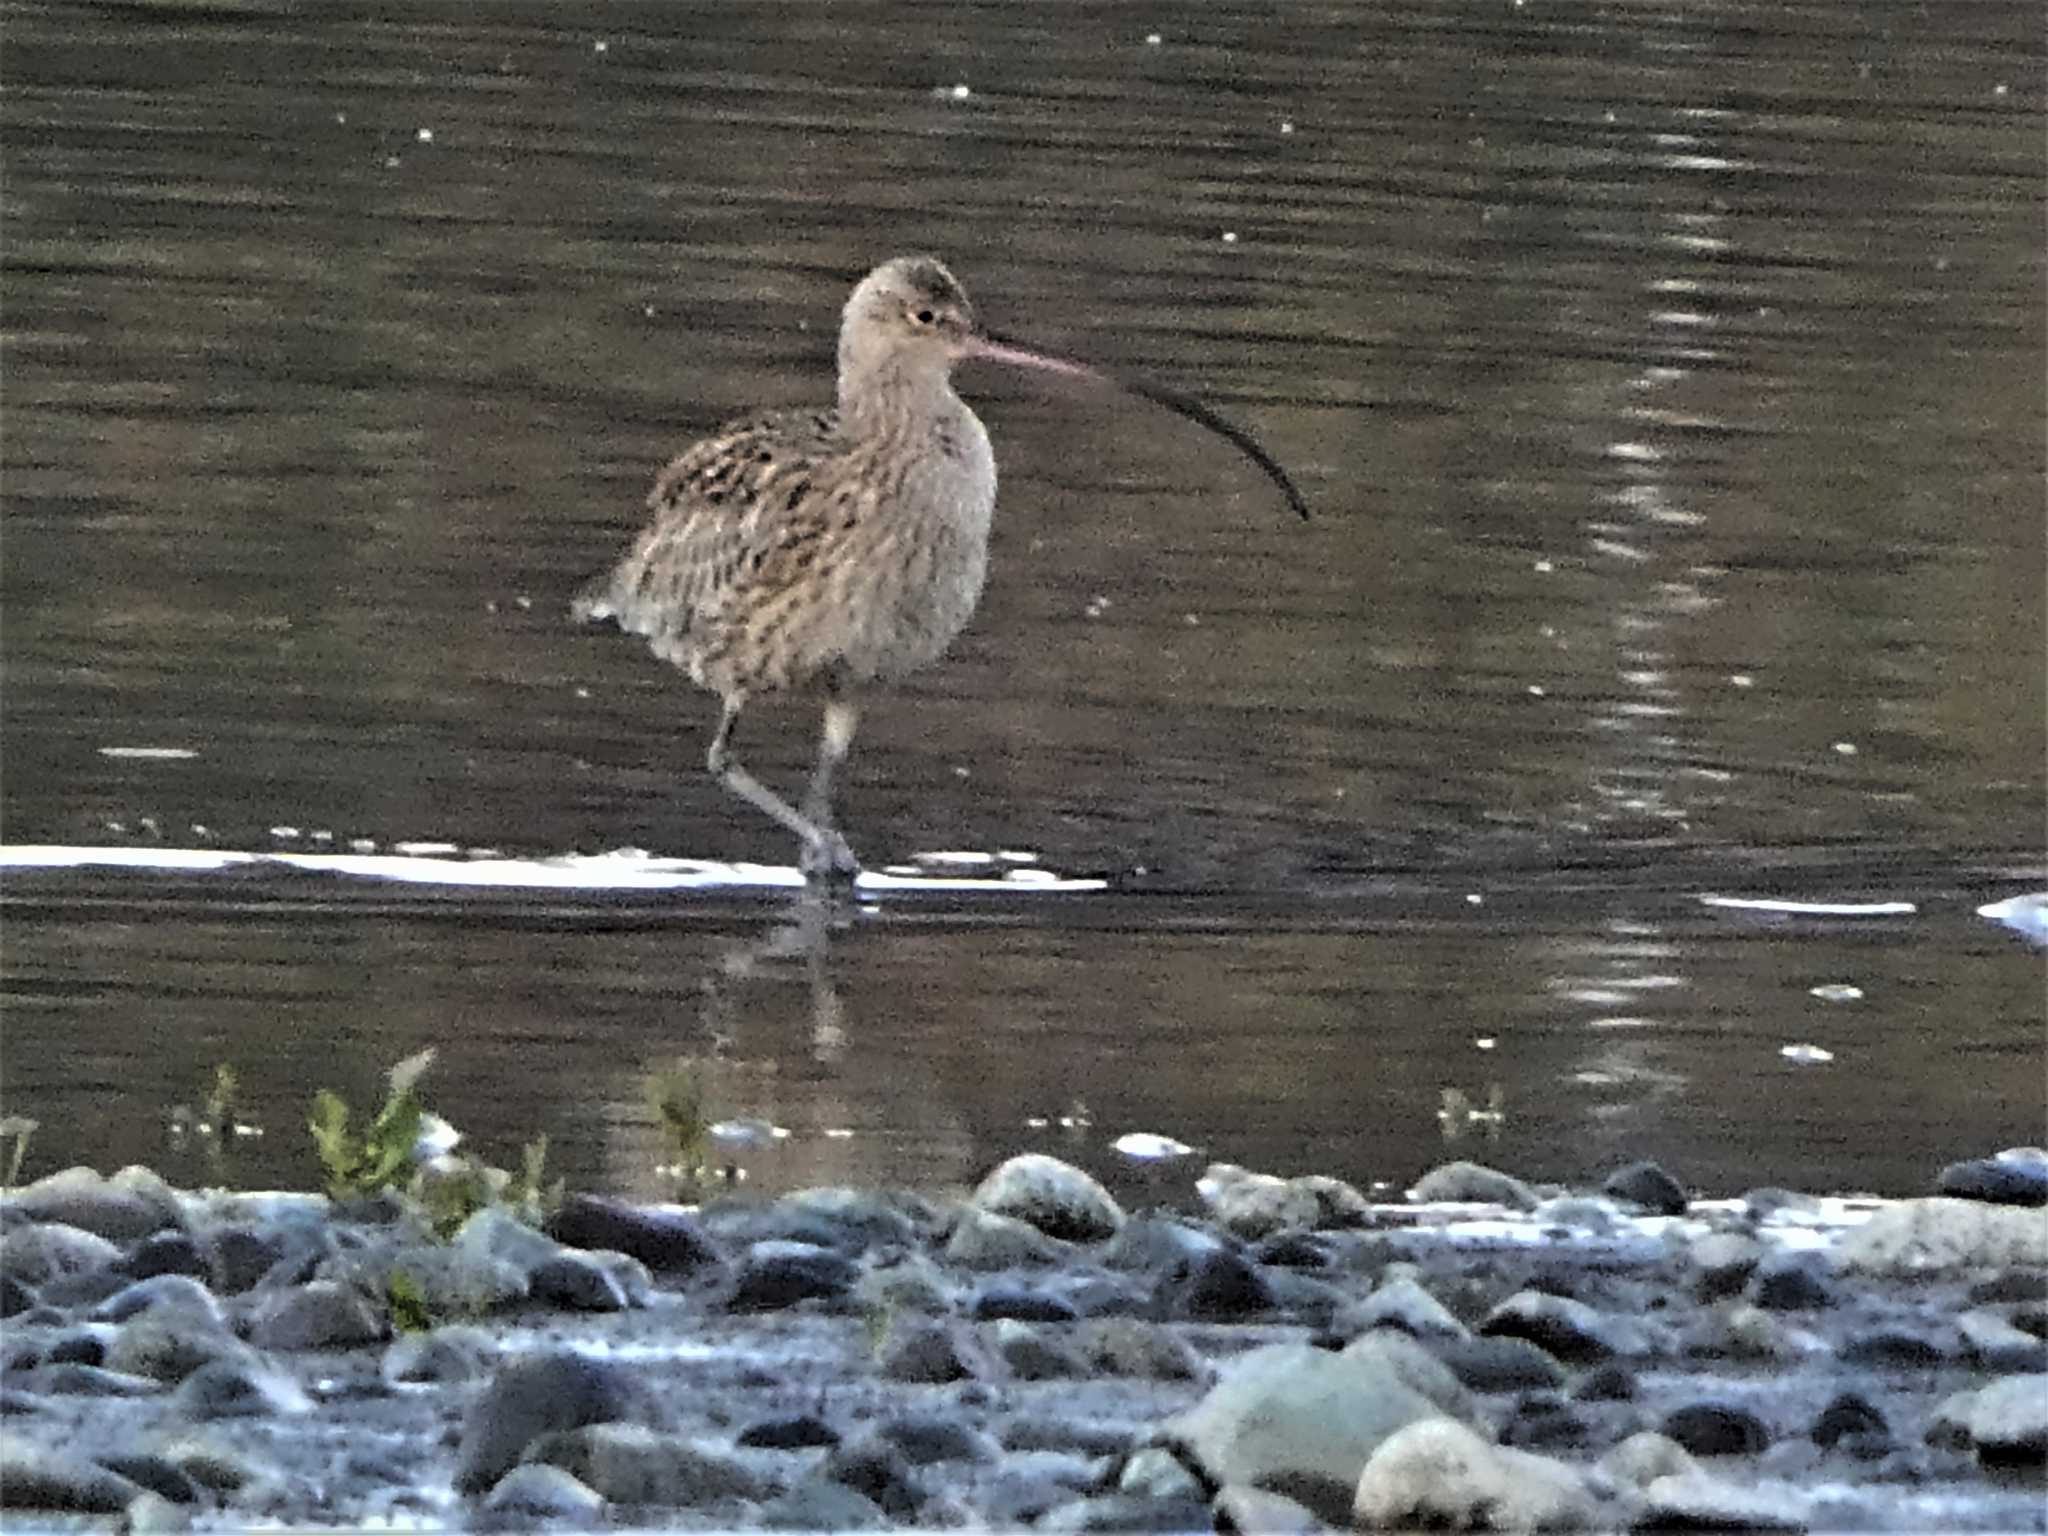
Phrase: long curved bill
[997,349]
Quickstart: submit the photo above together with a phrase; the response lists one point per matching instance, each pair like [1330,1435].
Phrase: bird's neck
[886,397]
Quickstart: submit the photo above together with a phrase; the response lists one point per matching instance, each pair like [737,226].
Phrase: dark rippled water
[1668,380]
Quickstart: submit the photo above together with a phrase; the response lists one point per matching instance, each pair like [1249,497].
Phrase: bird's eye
[923,317]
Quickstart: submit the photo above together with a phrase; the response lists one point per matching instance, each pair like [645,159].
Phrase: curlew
[827,553]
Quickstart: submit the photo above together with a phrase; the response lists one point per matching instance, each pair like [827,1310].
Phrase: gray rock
[16,1295]
[1439,1474]
[1741,1331]
[542,1394]
[1994,1343]
[988,1240]
[169,1345]
[795,1432]
[159,1475]
[1463,1183]
[1850,1417]
[877,1471]
[548,1492]
[211,1462]
[1255,1205]
[861,1219]
[632,1464]
[922,1350]
[903,1282]
[1339,1206]
[1724,1261]
[1572,1331]
[1128,1346]
[39,1478]
[159,1293]
[239,1256]
[667,1241]
[1789,1282]
[820,1504]
[1546,1421]
[1898,1347]
[1033,1355]
[1030,1483]
[1155,1473]
[238,1389]
[1080,1437]
[1403,1303]
[167,1253]
[1406,1361]
[151,1514]
[2017,1176]
[1644,1457]
[1499,1364]
[70,1379]
[1127,1512]
[1218,1287]
[776,1274]
[1058,1199]
[1243,1511]
[1940,1235]
[130,1206]
[577,1281]
[450,1283]
[1716,1429]
[443,1357]
[924,1438]
[1695,1502]
[1023,1304]
[1295,1417]
[319,1315]
[1157,1244]
[51,1250]
[2008,1421]
[496,1233]
[1647,1186]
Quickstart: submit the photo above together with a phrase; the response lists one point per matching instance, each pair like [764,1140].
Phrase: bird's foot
[827,860]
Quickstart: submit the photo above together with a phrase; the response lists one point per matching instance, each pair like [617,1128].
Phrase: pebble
[1256,1205]
[1440,1474]
[1055,1197]
[988,1240]
[2018,1176]
[778,1274]
[923,1350]
[1647,1187]
[40,1478]
[1570,1330]
[668,1242]
[547,1492]
[632,1464]
[319,1315]
[1788,1282]
[1475,1184]
[132,1204]
[1221,1286]
[50,1250]
[541,1394]
[1716,1429]
[1154,1338]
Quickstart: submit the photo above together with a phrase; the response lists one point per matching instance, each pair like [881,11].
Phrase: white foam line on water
[1812,908]
[578,872]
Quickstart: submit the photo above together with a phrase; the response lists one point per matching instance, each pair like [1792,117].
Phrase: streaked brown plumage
[831,552]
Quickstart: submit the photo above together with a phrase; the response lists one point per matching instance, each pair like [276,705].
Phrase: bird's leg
[835,859]
[825,851]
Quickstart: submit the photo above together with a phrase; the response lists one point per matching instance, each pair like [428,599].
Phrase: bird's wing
[728,513]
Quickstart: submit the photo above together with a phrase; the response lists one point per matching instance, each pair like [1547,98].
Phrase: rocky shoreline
[1292,1358]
